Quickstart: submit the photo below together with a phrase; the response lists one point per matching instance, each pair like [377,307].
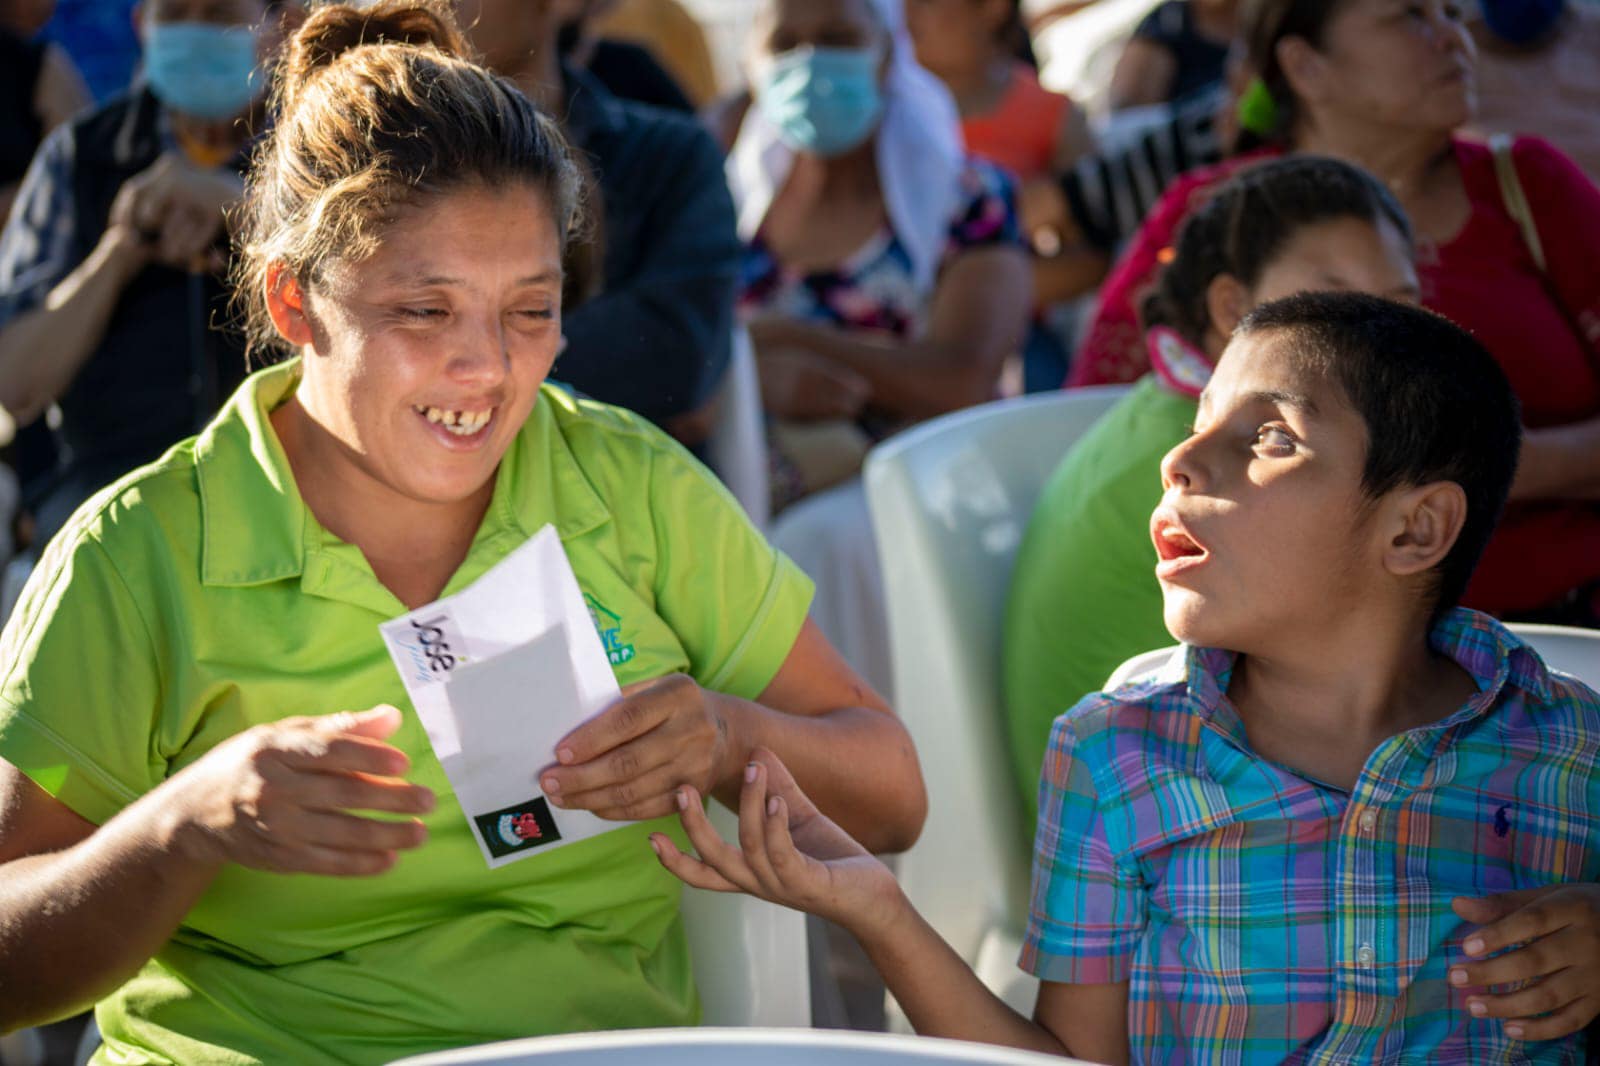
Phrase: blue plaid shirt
[1261,917]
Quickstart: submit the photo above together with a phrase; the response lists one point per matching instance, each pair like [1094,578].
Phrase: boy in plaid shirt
[1367,831]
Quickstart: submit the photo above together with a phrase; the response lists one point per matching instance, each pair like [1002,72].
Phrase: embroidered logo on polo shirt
[608,624]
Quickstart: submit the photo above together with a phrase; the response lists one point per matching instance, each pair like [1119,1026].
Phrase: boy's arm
[790,854]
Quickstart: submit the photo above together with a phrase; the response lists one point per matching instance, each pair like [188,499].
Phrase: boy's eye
[535,312]
[423,313]
[1275,438]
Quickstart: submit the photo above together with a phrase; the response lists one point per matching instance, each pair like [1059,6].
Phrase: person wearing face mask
[884,278]
[111,264]
[883,273]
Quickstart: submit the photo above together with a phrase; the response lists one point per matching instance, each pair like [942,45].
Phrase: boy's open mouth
[1176,548]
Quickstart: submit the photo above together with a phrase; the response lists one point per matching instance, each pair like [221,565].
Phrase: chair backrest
[749,955]
[950,501]
[1566,648]
[737,449]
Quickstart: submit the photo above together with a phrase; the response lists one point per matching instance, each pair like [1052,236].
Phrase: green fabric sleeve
[80,690]
[736,603]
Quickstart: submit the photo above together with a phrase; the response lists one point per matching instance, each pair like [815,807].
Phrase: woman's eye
[541,313]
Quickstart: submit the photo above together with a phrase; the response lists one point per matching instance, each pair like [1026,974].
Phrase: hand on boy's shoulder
[1550,937]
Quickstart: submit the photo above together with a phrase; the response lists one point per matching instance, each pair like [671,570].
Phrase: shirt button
[1368,820]
[1365,956]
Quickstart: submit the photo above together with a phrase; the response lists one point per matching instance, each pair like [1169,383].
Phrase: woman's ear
[1303,68]
[286,306]
[1423,526]
[1227,302]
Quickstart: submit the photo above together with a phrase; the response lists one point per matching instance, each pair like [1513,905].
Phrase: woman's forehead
[806,18]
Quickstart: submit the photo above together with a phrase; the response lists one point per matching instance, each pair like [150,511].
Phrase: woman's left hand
[628,761]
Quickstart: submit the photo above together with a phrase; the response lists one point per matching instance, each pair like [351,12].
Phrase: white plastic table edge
[643,1039]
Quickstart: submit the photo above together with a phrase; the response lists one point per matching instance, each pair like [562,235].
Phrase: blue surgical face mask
[201,68]
[825,101]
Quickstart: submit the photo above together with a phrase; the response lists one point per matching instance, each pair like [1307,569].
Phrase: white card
[498,673]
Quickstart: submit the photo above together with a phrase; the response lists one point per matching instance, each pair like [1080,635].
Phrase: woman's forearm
[75,924]
[859,766]
[914,379]
[42,350]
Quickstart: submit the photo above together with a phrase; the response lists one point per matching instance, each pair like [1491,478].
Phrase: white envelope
[498,673]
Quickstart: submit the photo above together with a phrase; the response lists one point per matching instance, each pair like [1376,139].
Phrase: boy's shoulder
[1158,711]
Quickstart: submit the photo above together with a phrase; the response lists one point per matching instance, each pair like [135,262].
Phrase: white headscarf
[919,149]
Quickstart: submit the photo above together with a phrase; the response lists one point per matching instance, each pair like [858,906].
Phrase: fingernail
[427,800]
[683,800]
[1514,1032]
[564,756]
[655,846]
[1478,1008]
[1458,977]
[749,772]
[1473,946]
[772,805]
[552,786]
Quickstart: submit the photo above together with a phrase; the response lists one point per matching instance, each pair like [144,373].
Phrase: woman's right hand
[277,797]
[789,853]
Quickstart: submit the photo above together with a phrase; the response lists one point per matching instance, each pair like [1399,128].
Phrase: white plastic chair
[950,500]
[735,1047]
[737,450]
[749,955]
[1568,649]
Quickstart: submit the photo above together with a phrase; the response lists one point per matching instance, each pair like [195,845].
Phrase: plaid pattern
[1262,917]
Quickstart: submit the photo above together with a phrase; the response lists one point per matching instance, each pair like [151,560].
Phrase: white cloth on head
[918,145]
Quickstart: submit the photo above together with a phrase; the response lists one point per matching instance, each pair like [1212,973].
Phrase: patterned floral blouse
[875,289]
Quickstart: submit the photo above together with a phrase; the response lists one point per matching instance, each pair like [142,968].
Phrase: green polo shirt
[1084,596]
[198,597]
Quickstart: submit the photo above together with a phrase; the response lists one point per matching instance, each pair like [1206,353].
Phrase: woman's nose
[480,354]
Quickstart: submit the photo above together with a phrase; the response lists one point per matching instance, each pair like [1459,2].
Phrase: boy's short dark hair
[1437,407]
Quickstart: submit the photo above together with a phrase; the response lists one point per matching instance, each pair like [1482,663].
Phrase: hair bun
[336,29]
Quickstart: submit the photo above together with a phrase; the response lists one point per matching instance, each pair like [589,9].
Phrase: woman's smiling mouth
[460,424]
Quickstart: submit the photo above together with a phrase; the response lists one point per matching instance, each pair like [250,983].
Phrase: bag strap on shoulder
[1516,201]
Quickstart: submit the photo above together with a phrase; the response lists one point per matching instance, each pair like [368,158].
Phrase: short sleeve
[80,689]
[736,603]
[1087,911]
[39,246]
[988,211]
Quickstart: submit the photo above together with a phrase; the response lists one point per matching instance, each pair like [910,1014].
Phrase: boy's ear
[286,306]
[1424,524]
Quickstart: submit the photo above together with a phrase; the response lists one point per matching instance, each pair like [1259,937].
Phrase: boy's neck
[1323,708]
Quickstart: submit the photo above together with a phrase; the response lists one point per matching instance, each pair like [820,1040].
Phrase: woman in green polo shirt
[194,696]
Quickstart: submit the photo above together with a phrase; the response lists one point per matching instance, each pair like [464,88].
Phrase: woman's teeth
[461,423]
